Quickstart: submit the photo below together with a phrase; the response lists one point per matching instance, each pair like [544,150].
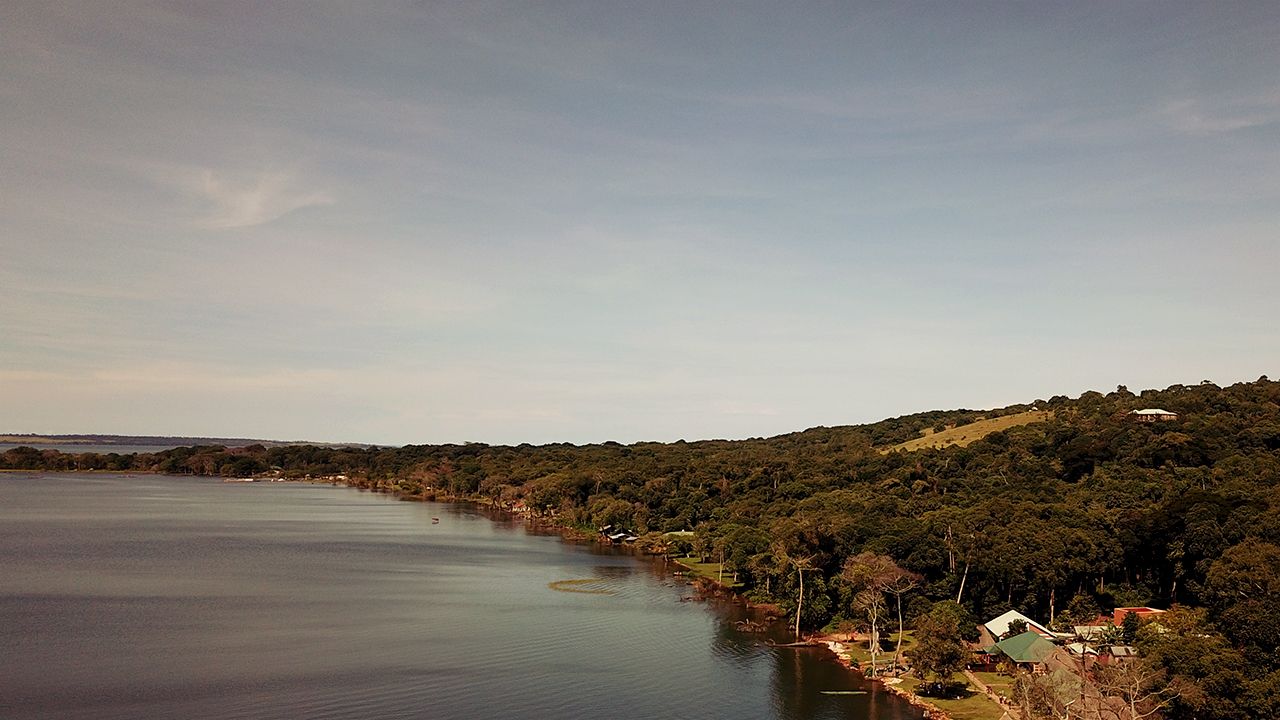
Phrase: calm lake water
[169,597]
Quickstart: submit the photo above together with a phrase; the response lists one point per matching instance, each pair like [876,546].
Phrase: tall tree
[940,652]
[801,564]
[872,576]
[897,585]
[1243,587]
[871,602]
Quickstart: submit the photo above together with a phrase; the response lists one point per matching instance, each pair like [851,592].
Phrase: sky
[429,222]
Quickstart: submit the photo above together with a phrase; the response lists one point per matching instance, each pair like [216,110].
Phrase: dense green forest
[1086,510]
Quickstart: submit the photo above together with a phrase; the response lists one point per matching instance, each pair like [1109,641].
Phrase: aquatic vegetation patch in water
[588,586]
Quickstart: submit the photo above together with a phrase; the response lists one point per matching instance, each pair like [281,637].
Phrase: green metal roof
[1028,647]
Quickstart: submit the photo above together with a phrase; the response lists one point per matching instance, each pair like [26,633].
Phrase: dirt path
[1009,710]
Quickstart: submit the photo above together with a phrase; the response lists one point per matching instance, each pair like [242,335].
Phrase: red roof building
[1144,614]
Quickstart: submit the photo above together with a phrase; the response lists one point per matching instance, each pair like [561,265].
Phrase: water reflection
[179,597]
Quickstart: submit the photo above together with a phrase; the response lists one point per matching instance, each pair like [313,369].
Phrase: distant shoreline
[161,442]
[671,565]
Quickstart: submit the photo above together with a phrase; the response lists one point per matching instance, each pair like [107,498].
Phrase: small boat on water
[435,521]
[227,480]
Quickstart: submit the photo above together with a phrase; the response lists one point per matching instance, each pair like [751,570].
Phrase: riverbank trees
[1086,508]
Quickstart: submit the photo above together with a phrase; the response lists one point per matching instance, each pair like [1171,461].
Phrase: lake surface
[173,597]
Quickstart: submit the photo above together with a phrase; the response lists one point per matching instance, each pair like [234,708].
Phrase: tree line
[1057,519]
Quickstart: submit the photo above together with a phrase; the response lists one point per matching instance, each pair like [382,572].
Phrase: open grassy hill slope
[965,434]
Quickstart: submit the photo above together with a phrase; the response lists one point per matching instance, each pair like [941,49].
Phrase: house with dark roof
[1117,654]
[1028,650]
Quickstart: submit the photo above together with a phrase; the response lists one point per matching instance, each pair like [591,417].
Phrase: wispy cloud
[461,221]
[1197,116]
[235,200]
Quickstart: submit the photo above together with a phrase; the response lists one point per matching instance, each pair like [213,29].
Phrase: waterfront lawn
[1001,684]
[710,571]
[974,706]
[860,654]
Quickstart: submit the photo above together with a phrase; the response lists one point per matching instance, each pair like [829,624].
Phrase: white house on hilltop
[1152,415]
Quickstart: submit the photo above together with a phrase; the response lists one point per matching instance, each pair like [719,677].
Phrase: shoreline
[706,585]
[839,648]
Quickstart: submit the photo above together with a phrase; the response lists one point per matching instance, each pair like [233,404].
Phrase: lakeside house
[1095,631]
[1151,415]
[1029,651]
[993,631]
[1117,654]
[1079,649]
[1099,641]
[1107,625]
[617,535]
[1083,655]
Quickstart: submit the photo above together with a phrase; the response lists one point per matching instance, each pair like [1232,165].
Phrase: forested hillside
[1086,509]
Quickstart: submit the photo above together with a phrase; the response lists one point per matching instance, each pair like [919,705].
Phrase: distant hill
[158,441]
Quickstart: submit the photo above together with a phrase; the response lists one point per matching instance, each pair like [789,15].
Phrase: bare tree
[873,575]
[1127,691]
[1056,696]
[1135,689]
[899,584]
[871,601]
[801,564]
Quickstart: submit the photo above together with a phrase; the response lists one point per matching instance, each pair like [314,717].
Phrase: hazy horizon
[568,222]
[339,441]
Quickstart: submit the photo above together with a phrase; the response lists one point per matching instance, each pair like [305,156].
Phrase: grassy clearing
[710,571]
[1001,684]
[975,706]
[859,653]
[965,434]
